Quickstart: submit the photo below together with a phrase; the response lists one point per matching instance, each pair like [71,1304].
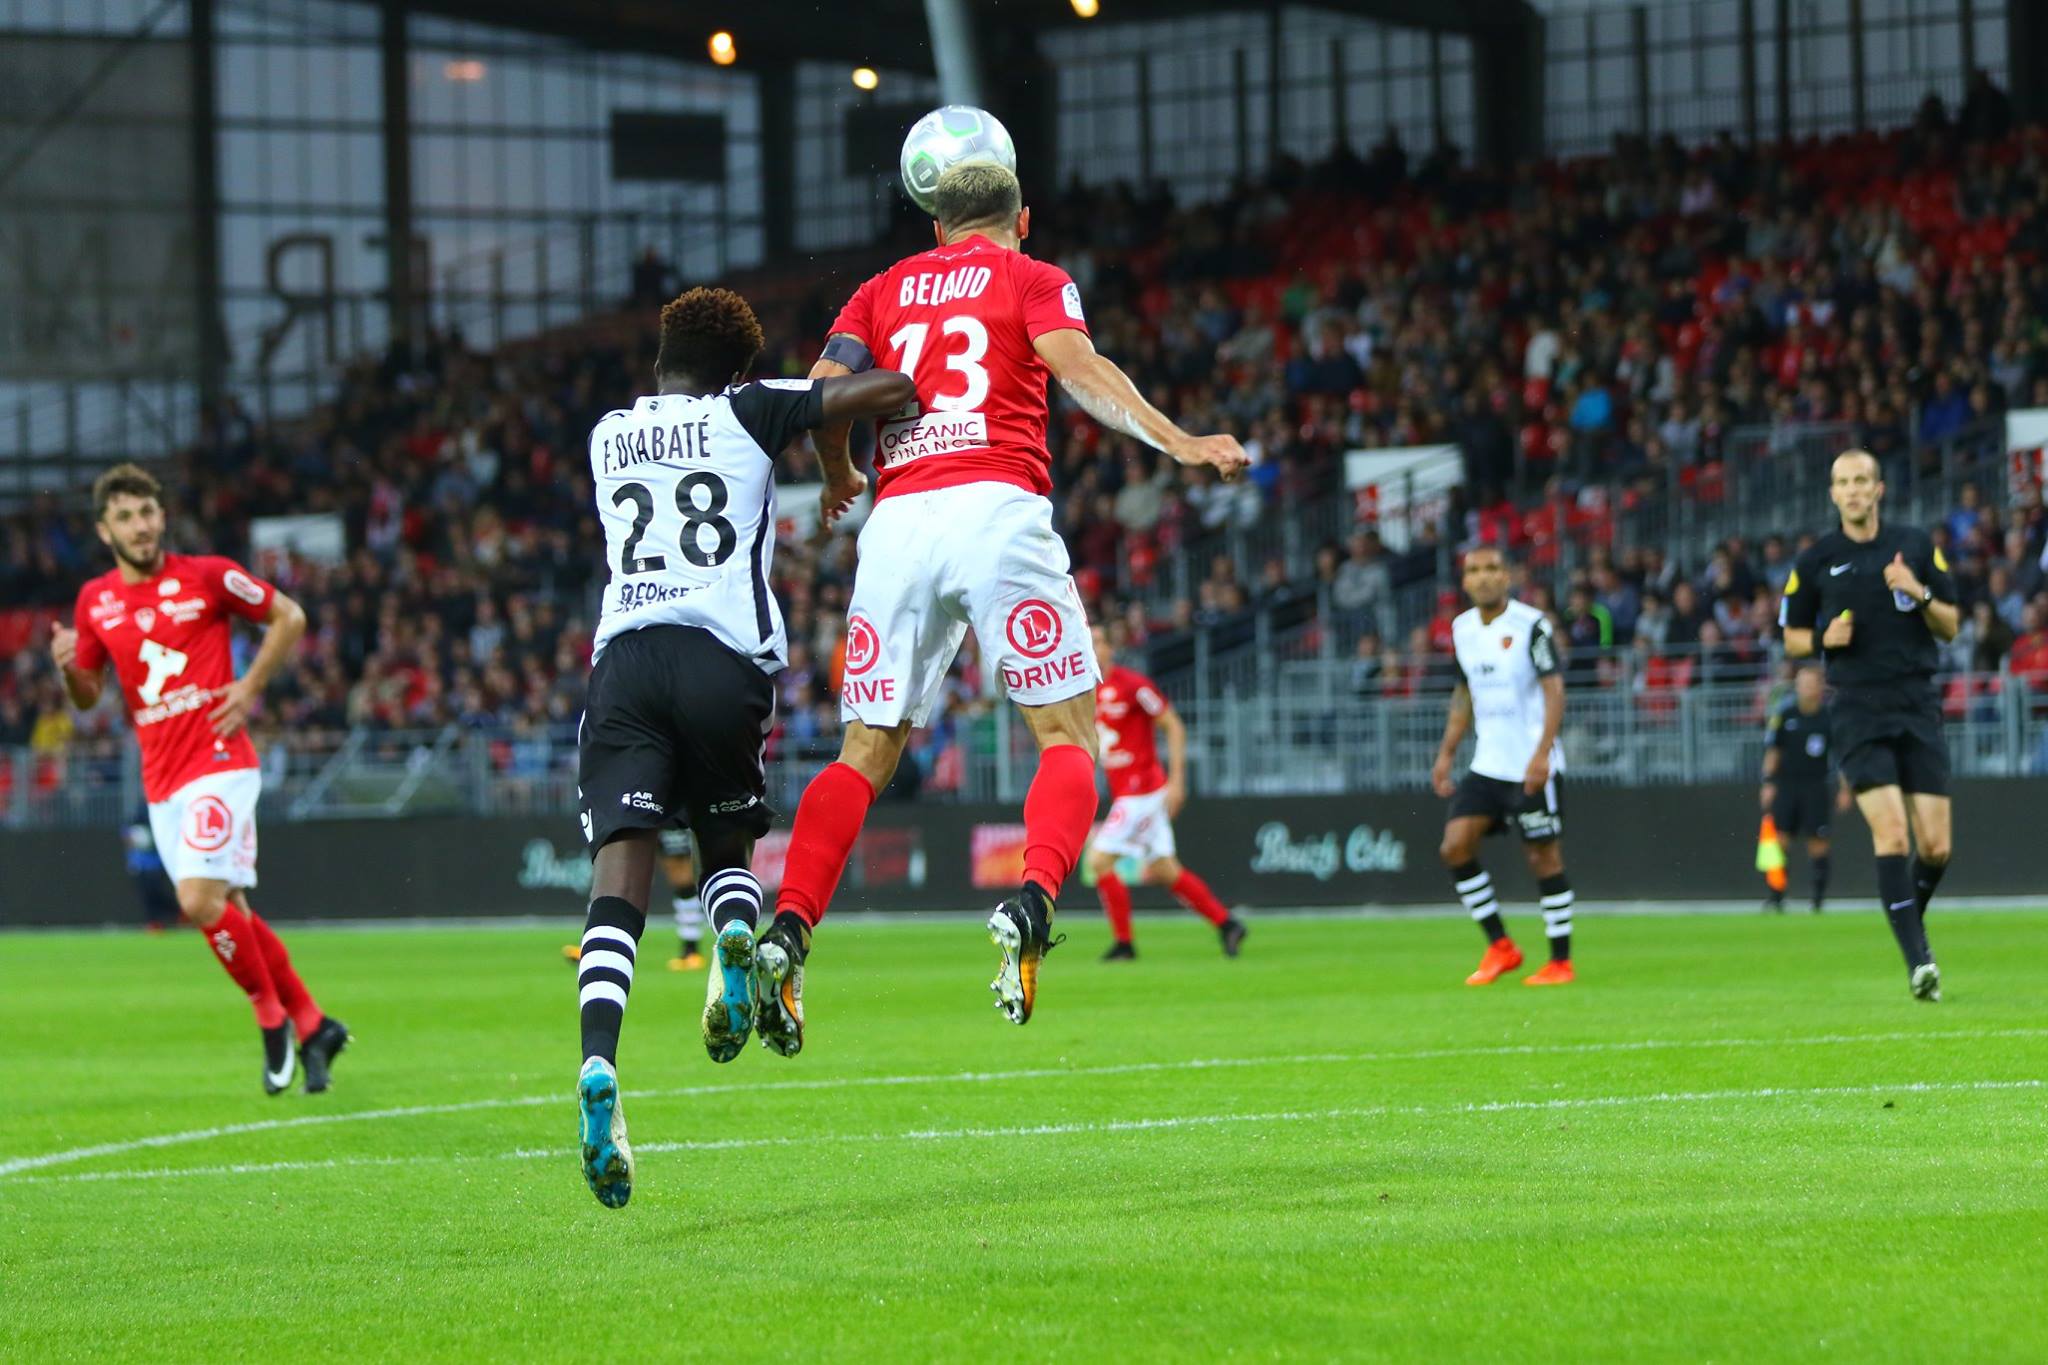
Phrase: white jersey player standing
[680,701]
[1511,691]
[961,535]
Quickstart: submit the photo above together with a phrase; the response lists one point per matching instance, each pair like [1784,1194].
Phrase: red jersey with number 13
[169,639]
[1127,705]
[960,320]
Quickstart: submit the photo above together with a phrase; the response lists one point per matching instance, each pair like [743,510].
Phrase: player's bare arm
[83,688]
[1107,394]
[284,624]
[1176,732]
[1943,618]
[1456,723]
[843,483]
[1553,721]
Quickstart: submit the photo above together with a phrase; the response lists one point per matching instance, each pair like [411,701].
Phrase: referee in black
[1800,790]
[1876,599]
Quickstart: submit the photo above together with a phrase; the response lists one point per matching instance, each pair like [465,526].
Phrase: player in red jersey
[961,535]
[1144,799]
[162,621]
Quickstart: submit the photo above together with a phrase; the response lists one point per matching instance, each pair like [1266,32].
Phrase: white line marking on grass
[16,1165]
[1103,1126]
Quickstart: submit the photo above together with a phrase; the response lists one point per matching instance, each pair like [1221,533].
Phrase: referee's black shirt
[1892,655]
[1802,740]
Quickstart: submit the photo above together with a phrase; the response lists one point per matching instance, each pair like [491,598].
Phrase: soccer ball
[945,138]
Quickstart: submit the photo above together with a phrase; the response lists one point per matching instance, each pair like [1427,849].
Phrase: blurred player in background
[1877,600]
[679,867]
[1800,788]
[1510,692]
[681,697]
[961,535]
[152,883]
[162,620]
[1144,801]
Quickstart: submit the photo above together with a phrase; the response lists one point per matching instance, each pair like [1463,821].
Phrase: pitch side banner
[1621,843]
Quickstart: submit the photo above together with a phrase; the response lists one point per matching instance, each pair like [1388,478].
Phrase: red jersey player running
[162,619]
[961,534]
[1144,799]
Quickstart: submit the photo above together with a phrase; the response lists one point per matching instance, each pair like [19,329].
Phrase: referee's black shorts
[673,732]
[1803,808]
[1892,746]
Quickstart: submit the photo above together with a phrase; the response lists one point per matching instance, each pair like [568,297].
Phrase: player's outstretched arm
[848,398]
[1107,394]
[843,483]
[284,624]
[82,687]
[1176,761]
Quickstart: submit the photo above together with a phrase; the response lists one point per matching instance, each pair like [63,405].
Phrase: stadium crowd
[1589,334]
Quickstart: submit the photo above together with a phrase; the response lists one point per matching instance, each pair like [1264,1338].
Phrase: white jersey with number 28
[686,492]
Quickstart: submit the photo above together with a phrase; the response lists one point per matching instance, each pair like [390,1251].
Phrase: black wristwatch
[1926,597]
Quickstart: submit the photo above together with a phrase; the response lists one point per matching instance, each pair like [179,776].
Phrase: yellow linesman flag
[1770,854]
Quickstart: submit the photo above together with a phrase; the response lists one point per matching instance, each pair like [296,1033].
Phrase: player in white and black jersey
[1511,692]
[680,702]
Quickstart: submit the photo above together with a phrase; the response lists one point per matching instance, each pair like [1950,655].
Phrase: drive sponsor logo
[934,433]
[863,645]
[208,824]
[1034,628]
[241,585]
[1048,674]
[1276,849]
[870,690]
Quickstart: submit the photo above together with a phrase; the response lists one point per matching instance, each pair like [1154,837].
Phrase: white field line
[1104,1127]
[16,1165]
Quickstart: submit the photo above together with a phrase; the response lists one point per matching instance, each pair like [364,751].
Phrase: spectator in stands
[654,281]
[1686,617]
[1362,590]
[1987,111]
[2029,656]
[1367,665]
[1652,624]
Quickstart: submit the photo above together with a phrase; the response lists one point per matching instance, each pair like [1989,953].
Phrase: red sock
[1058,810]
[291,992]
[1116,903]
[828,820]
[1195,894]
[234,942]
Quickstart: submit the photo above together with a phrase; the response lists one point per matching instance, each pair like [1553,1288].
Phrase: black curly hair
[708,335]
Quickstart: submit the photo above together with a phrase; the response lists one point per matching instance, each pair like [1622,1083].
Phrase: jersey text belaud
[967,282]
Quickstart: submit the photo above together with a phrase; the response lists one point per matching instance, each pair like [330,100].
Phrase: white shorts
[207,828]
[1137,827]
[933,564]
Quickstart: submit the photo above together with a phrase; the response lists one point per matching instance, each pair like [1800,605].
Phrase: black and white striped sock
[734,893]
[1557,914]
[604,974]
[1475,889]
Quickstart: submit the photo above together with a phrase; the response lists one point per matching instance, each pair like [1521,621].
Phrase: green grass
[1804,1166]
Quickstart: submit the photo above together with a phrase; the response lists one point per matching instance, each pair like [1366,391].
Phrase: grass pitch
[1733,1139]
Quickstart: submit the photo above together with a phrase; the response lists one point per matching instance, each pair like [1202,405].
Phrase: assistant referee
[1876,599]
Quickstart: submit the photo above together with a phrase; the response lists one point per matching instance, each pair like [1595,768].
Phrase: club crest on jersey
[145,618]
[863,646]
[1034,628]
[1507,642]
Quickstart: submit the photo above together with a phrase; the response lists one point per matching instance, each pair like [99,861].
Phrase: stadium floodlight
[722,48]
[865,78]
[1087,9]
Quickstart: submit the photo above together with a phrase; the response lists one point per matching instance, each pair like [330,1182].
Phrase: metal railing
[1305,726]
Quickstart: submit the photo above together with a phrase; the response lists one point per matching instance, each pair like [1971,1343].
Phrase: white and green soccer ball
[947,137]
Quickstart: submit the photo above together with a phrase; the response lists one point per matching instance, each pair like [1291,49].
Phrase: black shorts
[672,734]
[1538,819]
[1803,808]
[1892,747]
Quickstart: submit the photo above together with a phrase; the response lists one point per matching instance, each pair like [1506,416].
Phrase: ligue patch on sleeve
[1071,297]
[796,384]
[242,586]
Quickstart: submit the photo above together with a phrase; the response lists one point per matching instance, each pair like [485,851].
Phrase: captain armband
[842,349]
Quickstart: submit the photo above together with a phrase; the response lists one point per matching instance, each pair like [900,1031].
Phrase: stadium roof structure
[896,33]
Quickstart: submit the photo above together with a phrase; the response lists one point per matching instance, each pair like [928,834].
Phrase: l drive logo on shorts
[208,825]
[1035,632]
[863,646]
[1034,628]
[863,650]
